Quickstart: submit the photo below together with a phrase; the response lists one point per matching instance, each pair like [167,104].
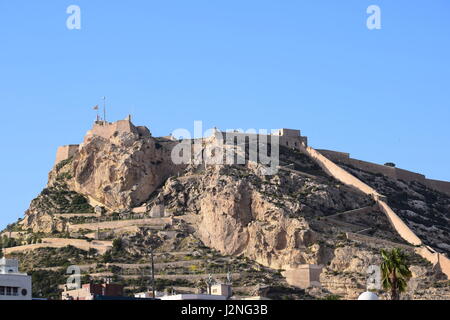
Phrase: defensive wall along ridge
[392,172]
[399,225]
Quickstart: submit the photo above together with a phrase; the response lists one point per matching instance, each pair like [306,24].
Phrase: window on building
[2,291]
[8,291]
[15,291]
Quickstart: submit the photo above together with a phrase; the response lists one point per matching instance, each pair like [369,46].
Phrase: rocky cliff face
[265,218]
[279,221]
[120,172]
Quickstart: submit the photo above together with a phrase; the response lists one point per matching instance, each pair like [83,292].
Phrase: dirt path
[100,246]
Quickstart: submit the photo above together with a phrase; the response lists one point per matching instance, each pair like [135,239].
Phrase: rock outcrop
[280,221]
[123,171]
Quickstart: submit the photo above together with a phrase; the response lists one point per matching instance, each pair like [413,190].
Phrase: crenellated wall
[107,130]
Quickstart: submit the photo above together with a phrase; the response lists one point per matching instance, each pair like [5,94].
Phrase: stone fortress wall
[291,138]
[65,152]
[105,130]
[398,224]
[345,177]
[392,172]
[287,137]
[108,129]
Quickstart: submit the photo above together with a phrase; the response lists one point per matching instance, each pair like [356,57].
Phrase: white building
[191,296]
[13,284]
[221,289]
[148,295]
[218,292]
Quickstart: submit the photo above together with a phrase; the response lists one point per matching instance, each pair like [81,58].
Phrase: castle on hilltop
[289,138]
[332,162]
[105,130]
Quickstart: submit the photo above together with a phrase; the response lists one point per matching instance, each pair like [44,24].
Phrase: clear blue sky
[382,95]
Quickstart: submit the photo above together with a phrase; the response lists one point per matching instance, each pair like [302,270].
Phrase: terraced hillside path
[100,246]
[151,222]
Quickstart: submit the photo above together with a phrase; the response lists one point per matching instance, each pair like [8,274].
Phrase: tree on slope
[395,272]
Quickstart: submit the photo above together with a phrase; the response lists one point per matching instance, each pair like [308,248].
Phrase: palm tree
[395,272]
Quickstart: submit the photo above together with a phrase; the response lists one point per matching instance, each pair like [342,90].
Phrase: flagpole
[104,109]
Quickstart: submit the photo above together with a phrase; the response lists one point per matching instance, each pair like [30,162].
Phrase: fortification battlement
[66,152]
[107,130]
[287,137]
[391,172]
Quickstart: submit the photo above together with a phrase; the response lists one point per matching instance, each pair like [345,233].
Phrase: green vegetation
[117,245]
[390,164]
[395,272]
[45,283]
[52,257]
[63,163]
[64,176]
[59,200]
[118,253]
[6,242]
[14,227]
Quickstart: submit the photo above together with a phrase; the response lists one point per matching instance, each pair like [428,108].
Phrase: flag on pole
[96,107]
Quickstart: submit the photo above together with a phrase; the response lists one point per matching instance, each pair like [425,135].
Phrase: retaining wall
[120,224]
[101,246]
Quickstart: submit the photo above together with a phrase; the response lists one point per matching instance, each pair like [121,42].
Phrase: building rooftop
[9,266]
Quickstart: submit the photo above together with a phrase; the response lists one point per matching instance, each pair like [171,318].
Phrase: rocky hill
[222,218]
